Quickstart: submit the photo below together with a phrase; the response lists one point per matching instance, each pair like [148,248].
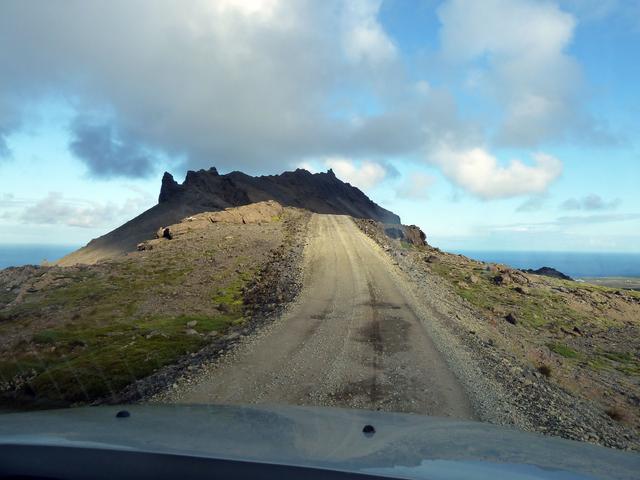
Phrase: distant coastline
[597,267]
[12,255]
[579,265]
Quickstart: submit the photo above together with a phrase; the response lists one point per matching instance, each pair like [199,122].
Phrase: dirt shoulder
[84,333]
[565,353]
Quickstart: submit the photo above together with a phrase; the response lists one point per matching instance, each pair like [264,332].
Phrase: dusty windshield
[418,207]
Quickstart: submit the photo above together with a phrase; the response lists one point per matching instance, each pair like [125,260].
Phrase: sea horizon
[575,264]
[17,255]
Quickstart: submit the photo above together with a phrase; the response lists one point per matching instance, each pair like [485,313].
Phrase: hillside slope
[207,190]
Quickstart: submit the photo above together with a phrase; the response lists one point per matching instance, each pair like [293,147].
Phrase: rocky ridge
[208,191]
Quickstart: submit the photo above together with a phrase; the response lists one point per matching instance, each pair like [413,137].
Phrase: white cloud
[562,223]
[590,202]
[55,209]
[364,175]
[516,51]
[239,83]
[364,38]
[480,173]
[308,166]
[592,10]
[415,186]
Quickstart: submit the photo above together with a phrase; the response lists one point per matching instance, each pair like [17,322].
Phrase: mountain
[548,272]
[207,190]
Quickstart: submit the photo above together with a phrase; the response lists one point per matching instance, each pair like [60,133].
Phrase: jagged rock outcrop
[409,233]
[318,192]
[208,191]
[169,189]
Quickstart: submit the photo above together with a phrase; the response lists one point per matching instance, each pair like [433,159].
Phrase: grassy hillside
[75,334]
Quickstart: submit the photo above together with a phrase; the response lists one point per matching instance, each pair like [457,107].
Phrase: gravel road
[354,337]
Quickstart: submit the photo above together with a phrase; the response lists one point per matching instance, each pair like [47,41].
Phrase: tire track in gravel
[352,338]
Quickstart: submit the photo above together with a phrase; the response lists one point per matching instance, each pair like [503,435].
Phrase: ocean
[16,255]
[574,264]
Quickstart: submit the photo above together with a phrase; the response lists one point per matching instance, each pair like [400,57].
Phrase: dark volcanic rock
[319,192]
[207,190]
[169,189]
[549,272]
[511,318]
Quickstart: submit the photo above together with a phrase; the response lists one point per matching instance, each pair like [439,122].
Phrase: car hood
[403,445]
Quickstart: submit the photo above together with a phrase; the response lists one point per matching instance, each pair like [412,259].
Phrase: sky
[493,125]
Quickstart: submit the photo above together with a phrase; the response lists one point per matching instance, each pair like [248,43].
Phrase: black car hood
[403,446]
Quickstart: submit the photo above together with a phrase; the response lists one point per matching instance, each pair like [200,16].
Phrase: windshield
[424,207]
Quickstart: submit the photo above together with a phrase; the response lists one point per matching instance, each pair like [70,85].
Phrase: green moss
[231,296]
[624,362]
[46,337]
[93,362]
[538,308]
[102,341]
[621,357]
[563,350]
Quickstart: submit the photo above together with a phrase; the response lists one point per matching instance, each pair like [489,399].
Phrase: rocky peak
[318,192]
[169,189]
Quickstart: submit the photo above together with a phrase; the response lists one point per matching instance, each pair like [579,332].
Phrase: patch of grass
[621,357]
[105,334]
[46,337]
[10,369]
[624,362]
[563,350]
[538,308]
[93,362]
[230,298]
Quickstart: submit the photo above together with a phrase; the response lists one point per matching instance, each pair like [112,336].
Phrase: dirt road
[353,338]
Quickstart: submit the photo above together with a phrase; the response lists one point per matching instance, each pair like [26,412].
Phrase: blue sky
[500,125]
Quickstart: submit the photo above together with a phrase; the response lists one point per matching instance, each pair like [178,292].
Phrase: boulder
[511,318]
[407,233]
[501,279]
[164,232]
[414,235]
[431,259]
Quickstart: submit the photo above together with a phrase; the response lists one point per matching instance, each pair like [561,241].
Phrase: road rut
[353,338]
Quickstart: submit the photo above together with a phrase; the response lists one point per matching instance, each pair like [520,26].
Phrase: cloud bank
[517,51]
[257,85]
[55,209]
